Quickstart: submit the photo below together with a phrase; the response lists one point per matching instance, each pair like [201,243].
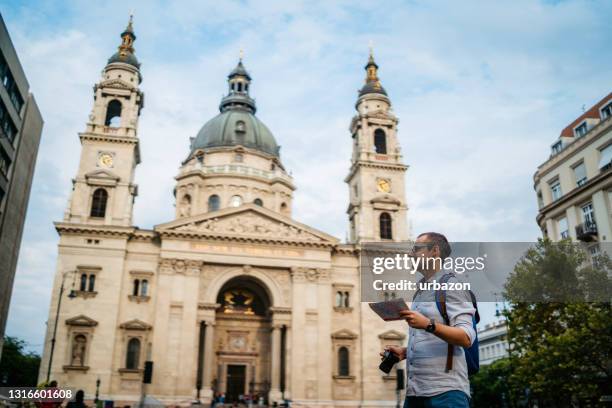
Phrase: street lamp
[71,295]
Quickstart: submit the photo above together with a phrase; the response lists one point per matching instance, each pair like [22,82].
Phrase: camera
[388,361]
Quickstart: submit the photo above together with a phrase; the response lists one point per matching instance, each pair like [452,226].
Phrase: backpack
[471,353]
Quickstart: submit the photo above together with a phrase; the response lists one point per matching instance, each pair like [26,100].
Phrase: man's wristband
[431,327]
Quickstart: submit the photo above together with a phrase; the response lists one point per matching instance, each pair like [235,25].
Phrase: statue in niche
[78,350]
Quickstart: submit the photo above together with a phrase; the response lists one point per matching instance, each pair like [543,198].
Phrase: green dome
[127,58]
[236,127]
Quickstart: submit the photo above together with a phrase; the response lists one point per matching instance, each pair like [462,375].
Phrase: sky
[481,89]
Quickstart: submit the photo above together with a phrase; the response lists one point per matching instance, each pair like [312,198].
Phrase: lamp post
[72,295]
[97,391]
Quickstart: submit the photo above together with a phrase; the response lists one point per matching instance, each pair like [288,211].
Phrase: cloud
[481,90]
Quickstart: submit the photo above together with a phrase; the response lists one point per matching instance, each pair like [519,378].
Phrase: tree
[491,386]
[18,368]
[560,339]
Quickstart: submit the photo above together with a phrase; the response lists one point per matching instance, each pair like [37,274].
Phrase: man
[429,384]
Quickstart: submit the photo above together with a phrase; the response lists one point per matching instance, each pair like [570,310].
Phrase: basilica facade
[233,295]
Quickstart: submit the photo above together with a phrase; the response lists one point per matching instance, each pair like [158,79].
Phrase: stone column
[275,394]
[208,357]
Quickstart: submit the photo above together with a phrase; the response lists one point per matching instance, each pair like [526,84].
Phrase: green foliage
[561,350]
[18,368]
[491,387]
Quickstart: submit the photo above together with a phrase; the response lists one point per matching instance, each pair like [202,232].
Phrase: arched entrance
[242,339]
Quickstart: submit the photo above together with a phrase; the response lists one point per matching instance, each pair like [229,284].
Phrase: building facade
[20,129]
[574,186]
[493,342]
[233,295]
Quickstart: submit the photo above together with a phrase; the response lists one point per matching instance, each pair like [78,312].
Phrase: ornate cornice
[180,266]
[99,230]
[302,274]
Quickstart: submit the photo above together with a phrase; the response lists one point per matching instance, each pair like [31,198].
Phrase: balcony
[587,231]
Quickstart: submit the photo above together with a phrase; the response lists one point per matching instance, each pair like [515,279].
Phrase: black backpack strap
[440,298]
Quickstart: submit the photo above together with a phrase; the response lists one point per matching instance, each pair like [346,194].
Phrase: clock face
[238,343]
[383,185]
[105,160]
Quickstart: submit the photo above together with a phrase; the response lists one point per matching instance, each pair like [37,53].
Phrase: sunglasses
[422,245]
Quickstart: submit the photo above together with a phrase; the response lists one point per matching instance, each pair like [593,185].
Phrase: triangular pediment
[392,335]
[385,199]
[81,320]
[135,324]
[344,334]
[102,174]
[248,220]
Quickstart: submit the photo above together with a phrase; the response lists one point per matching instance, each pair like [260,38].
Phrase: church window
[380,141]
[113,113]
[284,208]
[339,299]
[346,300]
[213,202]
[239,87]
[85,279]
[235,201]
[98,203]
[385,226]
[144,287]
[92,282]
[343,361]
[133,354]
[258,202]
[136,287]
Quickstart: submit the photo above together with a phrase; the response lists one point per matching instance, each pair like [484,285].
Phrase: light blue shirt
[426,353]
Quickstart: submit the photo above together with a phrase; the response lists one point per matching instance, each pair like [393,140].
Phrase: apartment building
[574,186]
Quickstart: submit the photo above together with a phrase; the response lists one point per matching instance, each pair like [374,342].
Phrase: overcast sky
[482,89]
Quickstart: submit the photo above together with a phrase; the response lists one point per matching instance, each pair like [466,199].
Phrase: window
[98,203]
[83,286]
[605,156]
[555,189]
[185,206]
[133,354]
[580,174]
[342,299]
[140,287]
[144,287]
[540,200]
[5,163]
[557,147]
[588,214]
[6,123]
[343,361]
[85,278]
[606,111]
[258,202]
[385,226]
[235,201]
[213,202]
[238,157]
[113,114]
[240,127]
[581,130]
[380,141]
[563,230]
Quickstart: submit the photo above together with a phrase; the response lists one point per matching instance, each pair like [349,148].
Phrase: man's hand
[400,352]
[414,319]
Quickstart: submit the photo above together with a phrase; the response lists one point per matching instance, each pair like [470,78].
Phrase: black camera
[388,361]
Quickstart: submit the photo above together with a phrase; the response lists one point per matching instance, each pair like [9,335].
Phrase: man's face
[424,247]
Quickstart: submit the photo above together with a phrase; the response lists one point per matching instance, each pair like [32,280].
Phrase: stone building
[574,186]
[233,295]
[20,129]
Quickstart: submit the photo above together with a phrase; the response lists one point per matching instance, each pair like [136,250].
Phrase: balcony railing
[587,231]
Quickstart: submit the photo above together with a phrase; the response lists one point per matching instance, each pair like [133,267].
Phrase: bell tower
[377,209]
[103,190]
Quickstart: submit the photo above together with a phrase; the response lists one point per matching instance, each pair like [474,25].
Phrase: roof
[592,113]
